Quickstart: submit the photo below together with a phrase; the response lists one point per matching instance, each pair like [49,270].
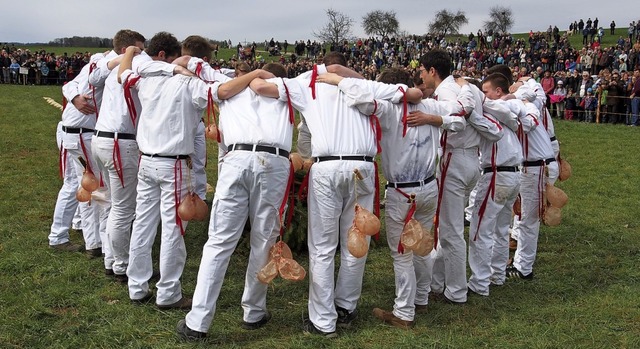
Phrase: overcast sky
[244,20]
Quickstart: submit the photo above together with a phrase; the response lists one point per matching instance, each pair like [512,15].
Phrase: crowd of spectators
[581,83]
[21,66]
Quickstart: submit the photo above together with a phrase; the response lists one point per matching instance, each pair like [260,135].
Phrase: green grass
[585,294]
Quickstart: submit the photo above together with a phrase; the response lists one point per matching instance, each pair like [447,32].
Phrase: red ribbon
[128,97]
[436,221]
[283,205]
[117,159]
[412,210]
[312,84]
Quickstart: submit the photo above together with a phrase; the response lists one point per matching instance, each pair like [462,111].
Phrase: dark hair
[439,60]
[276,69]
[196,46]
[503,70]
[163,41]
[334,58]
[125,38]
[417,80]
[395,76]
[498,80]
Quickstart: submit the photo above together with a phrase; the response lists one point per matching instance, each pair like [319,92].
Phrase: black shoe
[513,273]
[188,334]
[108,272]
[345,318]
[93,252]
[466,223]
[440,297]
[121,278]
[144,300]
[309,328]
[256,325]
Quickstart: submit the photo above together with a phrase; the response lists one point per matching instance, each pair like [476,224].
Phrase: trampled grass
[585,294]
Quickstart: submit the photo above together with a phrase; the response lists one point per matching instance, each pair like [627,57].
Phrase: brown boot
[184,303]
[391,319]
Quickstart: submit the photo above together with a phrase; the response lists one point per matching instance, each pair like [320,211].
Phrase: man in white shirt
[254,175]
[76,129]
[341,140]
[409,164]
[459,172]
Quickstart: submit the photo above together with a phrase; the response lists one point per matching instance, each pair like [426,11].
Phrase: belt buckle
[253,147]
[277,150]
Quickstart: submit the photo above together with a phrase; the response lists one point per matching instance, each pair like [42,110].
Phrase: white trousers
[449,268]
[250,184]
[489,242]
[412,272]
[66,203]
[90,212]
[331,202]
[528,228]
[123,198]
[156,202]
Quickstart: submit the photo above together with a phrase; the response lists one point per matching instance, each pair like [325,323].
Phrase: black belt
[177,157]
[538,162]
[500,169]
[263,148]
[106,134]
[344,157]
[410,184]
[76,129]
[553,138]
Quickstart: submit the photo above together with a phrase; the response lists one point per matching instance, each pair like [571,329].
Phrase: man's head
[435,66]
[197,46]
[395,76]
[163,47]
[242,68]
[276,69]
[495,86]
[125,38]
[334,58]
[502,69]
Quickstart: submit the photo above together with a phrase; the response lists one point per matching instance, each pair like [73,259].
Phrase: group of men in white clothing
[135,118]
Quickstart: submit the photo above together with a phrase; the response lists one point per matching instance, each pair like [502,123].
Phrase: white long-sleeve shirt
[412,157]
[336,128]
[114,114]
[535,142]
[71,116]
[248,118]
[448,90]
[172,107]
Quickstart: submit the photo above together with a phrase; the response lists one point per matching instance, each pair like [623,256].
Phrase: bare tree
[500,20]
[446,22]
[382,23]
[337,29]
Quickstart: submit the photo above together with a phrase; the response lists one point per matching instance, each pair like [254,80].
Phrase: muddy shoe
[67,247]
[93,252]
[391,319]
[309,328]
[421,308]
[184,304]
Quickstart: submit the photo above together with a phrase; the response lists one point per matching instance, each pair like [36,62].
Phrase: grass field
[585,294]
